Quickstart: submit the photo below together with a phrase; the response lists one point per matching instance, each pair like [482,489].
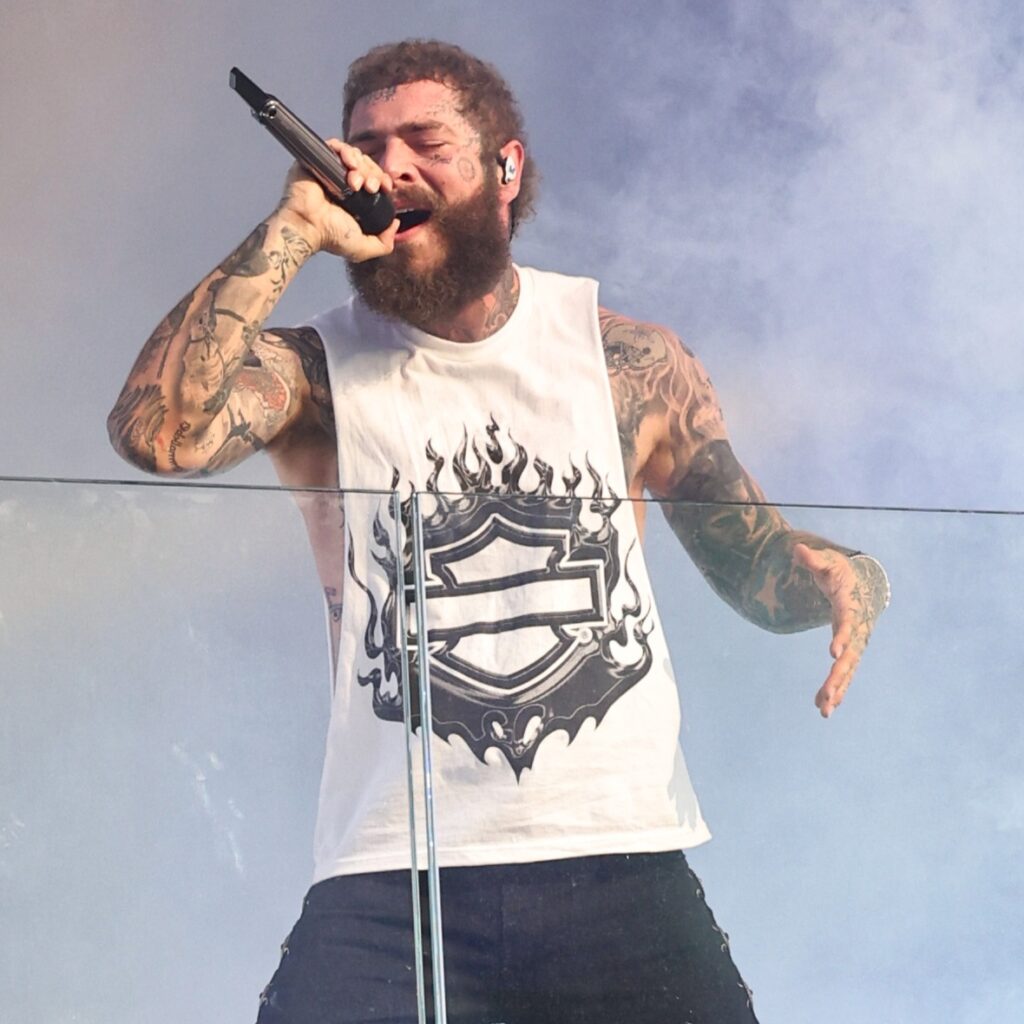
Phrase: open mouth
[409,219]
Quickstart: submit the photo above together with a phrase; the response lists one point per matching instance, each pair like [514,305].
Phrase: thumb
[809,558]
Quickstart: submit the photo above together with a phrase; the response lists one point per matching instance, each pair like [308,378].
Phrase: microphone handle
[373,212]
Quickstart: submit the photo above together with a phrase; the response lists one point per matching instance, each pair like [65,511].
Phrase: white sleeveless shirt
[556,714]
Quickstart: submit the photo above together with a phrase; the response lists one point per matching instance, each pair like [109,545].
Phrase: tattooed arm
[675,444]
[211,386]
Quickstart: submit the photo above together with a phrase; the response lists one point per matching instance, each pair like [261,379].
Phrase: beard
[475,253]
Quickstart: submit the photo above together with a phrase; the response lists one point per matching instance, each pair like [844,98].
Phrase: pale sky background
[825,199]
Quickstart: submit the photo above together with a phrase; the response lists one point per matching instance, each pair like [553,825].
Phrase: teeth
[411,216]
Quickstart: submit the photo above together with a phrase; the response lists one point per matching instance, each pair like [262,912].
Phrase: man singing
[526,415]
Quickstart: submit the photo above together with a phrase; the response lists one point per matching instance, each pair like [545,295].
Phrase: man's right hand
[325,225]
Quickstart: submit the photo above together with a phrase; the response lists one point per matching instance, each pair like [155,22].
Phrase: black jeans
[624,939]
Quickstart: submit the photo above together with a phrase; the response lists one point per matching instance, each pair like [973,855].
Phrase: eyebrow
[408,128]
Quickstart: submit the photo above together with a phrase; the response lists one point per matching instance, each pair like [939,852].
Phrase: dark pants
[624,939]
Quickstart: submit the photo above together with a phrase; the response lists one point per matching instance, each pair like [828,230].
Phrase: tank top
[555,710]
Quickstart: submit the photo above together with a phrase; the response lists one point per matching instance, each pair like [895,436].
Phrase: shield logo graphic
[520,630]
[510,600]
[534,624]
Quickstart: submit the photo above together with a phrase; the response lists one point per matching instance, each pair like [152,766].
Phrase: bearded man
[527,414]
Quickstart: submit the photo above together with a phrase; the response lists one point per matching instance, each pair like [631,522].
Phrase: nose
[396,159]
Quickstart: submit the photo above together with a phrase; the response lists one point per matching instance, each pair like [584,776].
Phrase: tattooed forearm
[744,547]
[285,261]
[225,329]
[197,373]
[249,259]
[158,344]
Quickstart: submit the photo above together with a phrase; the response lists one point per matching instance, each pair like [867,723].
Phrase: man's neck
[480,318]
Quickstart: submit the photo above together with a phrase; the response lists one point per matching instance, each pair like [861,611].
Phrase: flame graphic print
[534,623]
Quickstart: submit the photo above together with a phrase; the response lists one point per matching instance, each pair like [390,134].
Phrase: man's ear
[511,158]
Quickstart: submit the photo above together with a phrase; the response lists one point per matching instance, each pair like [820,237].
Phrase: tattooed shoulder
[631,345]
[630,352]
[664,401]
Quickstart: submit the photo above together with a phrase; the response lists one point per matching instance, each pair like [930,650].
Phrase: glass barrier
[164,704]
[166,698]
[865,867]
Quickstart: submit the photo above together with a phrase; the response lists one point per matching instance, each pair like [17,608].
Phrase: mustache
[416,198]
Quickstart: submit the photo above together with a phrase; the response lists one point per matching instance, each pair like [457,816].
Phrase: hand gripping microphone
[372,212]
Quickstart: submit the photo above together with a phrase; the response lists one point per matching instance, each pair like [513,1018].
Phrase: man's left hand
[855,607]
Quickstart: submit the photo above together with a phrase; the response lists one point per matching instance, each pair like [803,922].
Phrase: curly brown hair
[486,100]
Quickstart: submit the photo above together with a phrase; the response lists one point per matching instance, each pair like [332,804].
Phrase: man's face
[453,245]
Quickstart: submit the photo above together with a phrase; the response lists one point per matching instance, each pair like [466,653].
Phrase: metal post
[426,724]
[402,631]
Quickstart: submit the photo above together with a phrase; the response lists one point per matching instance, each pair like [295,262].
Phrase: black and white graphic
[534,624]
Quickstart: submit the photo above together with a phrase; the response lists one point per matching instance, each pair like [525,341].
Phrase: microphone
[373,212]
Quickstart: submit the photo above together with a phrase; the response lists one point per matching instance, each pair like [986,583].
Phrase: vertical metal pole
[402,631]
[426,727]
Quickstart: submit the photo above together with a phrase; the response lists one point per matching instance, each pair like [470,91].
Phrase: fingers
[833,690]
[345,238]
[851,625]
[806,556]
[843,627]
[369,247]
[363,172]
[850,638]
[825,565]
[832,578]
[334,229]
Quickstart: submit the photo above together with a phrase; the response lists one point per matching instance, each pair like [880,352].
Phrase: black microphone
[373,212]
